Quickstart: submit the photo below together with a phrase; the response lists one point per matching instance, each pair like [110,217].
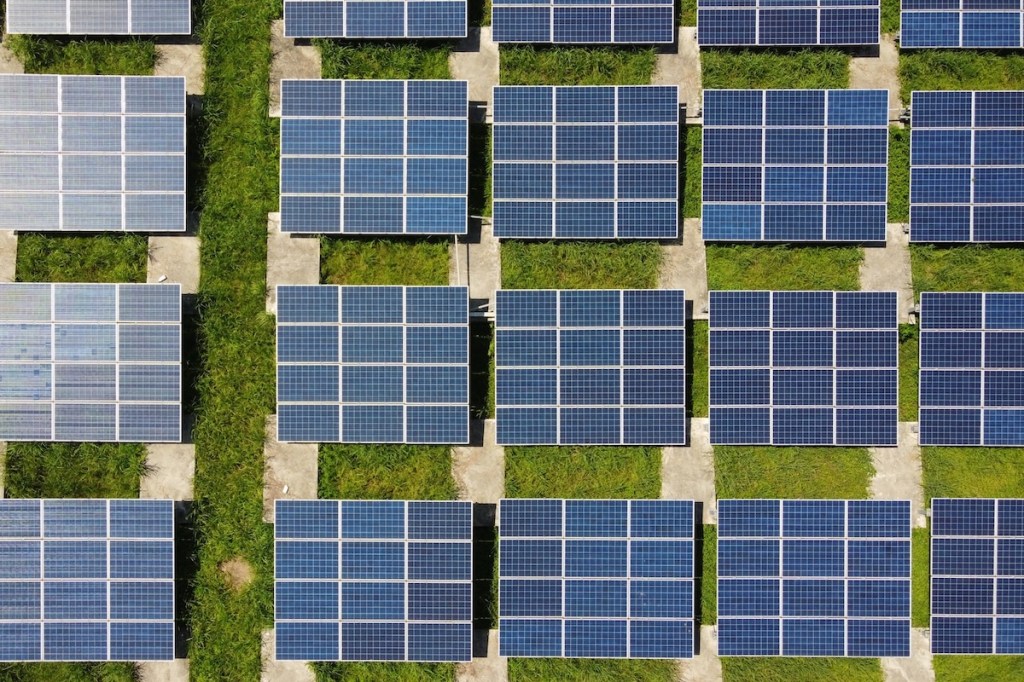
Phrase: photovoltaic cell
[788,22]
[375,18]
[803,368]
[93,17]
[961,24]
[591,367]
[90,362]
[383,364]
[813,578]
[86,580]
[586,162]
[596,578]
[373,580]
[972,369]
[589,21]
[374,157]
[967,167]
[795,165]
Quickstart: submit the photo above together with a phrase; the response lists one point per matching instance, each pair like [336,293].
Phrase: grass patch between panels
[783,267]
[709,577]
[580,265]
[908,372]
[972,267]
[590,670]
[693,171]
[69,672]
[112,56]
[93,258]
[792,472]
[385,472]
[72,470]
[890,16]
[760,69]
[959,70]
[978,668]
[972,472]
[920,590]
[899,175]
[529,65]
[697,367]
[625,473]
[383,61]
[739,669]
[410,262]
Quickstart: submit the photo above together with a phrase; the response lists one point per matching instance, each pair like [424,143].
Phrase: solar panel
[795,165]
[382,364]
[375,18]
[803,368]
[813,578]
[588,21]
[99,17]
[374,157]
[86,580]
[960,23]
[90,362]
[586,162]
[967,167]
[373,580]
[596,578]
[591,367]
[788,22]
[971,385]
[977,574]
[92,153]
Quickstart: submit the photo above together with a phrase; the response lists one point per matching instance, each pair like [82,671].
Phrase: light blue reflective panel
[531,558]
[436,176]
[93,134]
[595,638]
[374,98]
[306,560]
[583,426]
[84,342]
[1004,311]
[307,344]
[145,95]
[962,635]
[813,637]
[1009,635]
[307,383]
[372,641]
[585,181]
[87,422]
[647,181]
[523,104]
[648,143]
[802,348]
[372,519]
[531,518]
[373,215]
[1003,349]
[311,98]
[20,641]
[374,19]
[437,305]
[595,518]
[19,559]
[814,518]
[435,137]
[661,559]
[739,558]
[141,559]
[748,518]
[374,137]
[1004,427]
[1008,594]
[440,520]
[865,309]
[22,421]
[661,599]
[147,134]
[523,219]
[306,519]
[371,600]
[437,98]
[141,519]
[306,641]
[148,423]
[149,343]
[523,180]
[992,29]
[87,302]
[536,598]
[998,147]
[308,423]
[648,104]
[595,598]
[440,641]
[371,424]
[586,143]
[310,214]
[794,184]
[963,556]
[450,561]
[530,637]
[153,173]
[32,133]
[314,19]
[74,559]
[74,641]
[653,386]
[590,387]
[661,639]
[661,518]
[360,344]
[142,641]
[526,308]
[999,186]
[858,108]
[964,517]
[585,220]
[371,384]
[19,518]
[149,383]
[748,637]
[27,382]
[20,601]
[76,600]
[794,145]
[878,559]
[372,176]
[527,426]
[732,146]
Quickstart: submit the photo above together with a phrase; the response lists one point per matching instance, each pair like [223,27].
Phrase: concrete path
[8,255]
[881,72]
[164,671]
[174,259]
[707,666]
[917,668]
[9,62]
[182,60]
[282,671]
[475,59]
[479,468]
[898,474]
[290,260]
[887,268]
[688,473]
[476,261]
[682,68]
[170,471]
[489,668]
[290,471]
[289,61]
[684,266]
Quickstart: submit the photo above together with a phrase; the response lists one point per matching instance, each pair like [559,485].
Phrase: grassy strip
[899,175]
[890,16]
[755,69]
[74,469]
[801,669]
[709,577]
[68,672]
[974,267]
[690,162]
[920,577]
[959,70]
[688,13]
[972,472]
[386,472]
[383,60]
[798,472]
[95,258]
[580,265]
[909,361]
[590,670]
[529,65]
[583,472]
[780,268]
[977,668]
[112,56]
[698,366]
[383,261]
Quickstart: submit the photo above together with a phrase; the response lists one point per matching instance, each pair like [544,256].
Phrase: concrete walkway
[917,668]
[880,72]
[170,471]
[164,671]
[290,260]
[898,474]
[887,268]
[290,471]
[684,266]
[682,68]
[282,671]
[475,59]
[174,259]
[8,255]
[289,61]
[688,473]
[489,668]
[476,261]
[707,666]
[9,62]
[182,60]
[479,468]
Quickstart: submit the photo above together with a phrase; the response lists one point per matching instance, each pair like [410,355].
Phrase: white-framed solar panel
[372,19]
[961,24]
[584,21]
[788,22]
[92,153]
[99,17]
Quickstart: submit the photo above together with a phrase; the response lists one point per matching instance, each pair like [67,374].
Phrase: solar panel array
[591,367]
[374,157]
[588,21]
[813,578]
[967,167]
[972,369]
[375,18]
[376,364]
[803,368]
[795,165]
[86,580]
[788,22]
[961,23]
[596,578]
[99,17]
[90,362]
[92,153]
[977,576]
[373,580]
[586,162]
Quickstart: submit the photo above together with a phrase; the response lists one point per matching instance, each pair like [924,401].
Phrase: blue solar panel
[373,364]
[795,165]
[586,21]
[788,22]
[597,578]
[971,386]
[586,162]
[86,580]
[803,368]
[813,578]
[961,24]
[967,167]
[375,18]
[374,157]
[591,367]
[373,580]
[96,17]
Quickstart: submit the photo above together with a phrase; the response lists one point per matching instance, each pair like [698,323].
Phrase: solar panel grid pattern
[803,368]
[977,576]
[86,580]
[583,21]
[596,578]
[788,22]
[373,580]
[373,364]
[90,362]
[375,18]
[967,167]
[813,578]
[591,367]
[972,369]
[795,165]
[92,153]
[586,162]
[99,17]
[961,24]
[374,157]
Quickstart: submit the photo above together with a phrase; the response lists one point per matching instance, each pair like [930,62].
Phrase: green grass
[920,577]
[783,267]
[68,672]
[688,13]
[376,672]
[383,261]
[746,69]
[73,469]
[383,60]
[709,576]
[909,361]
[975,267]
[580,265]
[796,472]
[890,16]
[978,668]
[972,472]
[94,258]
[692,171]
[386,472]
[590,670]
[528,65]
[899,175]
[801,669]
[698,366]
[959,70]
[113,56]
[583,472]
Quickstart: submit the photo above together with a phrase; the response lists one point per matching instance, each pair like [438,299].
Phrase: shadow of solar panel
[586,162]
[803,368]
[753,22]
[375,18]
[588,22]
[795,165]
[956,24]
[813,578]
[597,578]
[89,17]
[373,580]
